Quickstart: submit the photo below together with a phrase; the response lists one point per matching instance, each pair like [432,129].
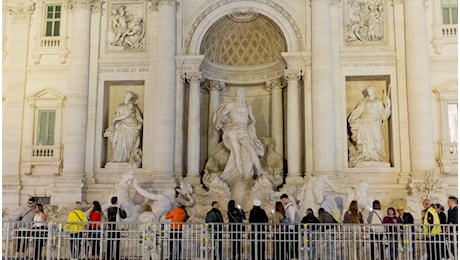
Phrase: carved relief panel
[364,21]
[126,27]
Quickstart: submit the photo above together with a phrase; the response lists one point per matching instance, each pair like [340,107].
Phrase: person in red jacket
[177,215]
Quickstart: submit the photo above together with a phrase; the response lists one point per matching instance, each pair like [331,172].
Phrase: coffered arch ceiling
[243,47]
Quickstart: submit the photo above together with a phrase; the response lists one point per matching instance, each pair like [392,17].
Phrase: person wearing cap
[408,219]
[25,215]
[177,215]
[76,224]
[257,219]
[214,217]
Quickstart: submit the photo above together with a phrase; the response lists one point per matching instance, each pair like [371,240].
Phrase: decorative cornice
[368,61]
[189,63]
[239,75]
[279,8]
[20,11]
[295,61]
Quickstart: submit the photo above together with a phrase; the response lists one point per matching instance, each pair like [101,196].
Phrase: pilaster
[419,95]
[323,92]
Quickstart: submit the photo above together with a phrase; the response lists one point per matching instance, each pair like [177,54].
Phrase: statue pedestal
[131,165]
[373,165]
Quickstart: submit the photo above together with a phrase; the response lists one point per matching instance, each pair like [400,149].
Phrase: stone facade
[304,65]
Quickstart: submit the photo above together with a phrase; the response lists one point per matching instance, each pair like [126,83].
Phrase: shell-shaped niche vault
[243,43]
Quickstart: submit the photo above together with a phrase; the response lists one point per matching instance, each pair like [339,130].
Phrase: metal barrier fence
[228,241]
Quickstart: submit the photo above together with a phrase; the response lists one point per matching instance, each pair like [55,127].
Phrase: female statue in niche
[366,128]
[125,131]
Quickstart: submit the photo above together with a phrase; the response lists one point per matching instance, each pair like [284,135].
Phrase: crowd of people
[285,219]
[77,222]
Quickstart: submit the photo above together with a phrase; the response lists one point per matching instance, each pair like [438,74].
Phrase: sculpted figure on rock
[236,120]
[365,123]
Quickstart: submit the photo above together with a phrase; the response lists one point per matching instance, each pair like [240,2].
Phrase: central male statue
[236,120]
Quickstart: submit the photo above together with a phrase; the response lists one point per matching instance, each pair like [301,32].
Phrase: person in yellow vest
[433,229]
[76,224]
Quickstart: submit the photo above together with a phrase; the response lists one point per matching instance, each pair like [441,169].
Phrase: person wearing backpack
[113,236]
[377,229]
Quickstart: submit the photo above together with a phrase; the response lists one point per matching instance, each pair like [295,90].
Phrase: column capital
[20,11]
[193,77]
[213,85]
[97,6]
[154,4]
[84,4]
[275,84]
[292,74]
[295,60]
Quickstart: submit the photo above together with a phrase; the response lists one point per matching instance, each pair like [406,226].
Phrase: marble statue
[160,203]
[245,164]
[365,123]
[125,131]
[236,120]
[121,190]
[184,195]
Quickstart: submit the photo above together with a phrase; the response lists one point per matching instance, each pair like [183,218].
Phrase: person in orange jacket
[177,215]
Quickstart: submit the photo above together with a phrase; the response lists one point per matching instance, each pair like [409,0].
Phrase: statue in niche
[241,162]
[236,120]
[125,131]
[365,123]
[119,24]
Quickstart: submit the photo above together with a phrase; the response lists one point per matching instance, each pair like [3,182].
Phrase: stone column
[78,80]
[293,125]
[193,130]
[164,94]
[214,88]
[277,114]
[14,86]
[323,101]
[419,95]
[295,63]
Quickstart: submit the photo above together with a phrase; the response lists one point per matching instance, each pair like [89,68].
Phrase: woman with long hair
[352,216]
[39,234]
[279,247]
[95,216]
